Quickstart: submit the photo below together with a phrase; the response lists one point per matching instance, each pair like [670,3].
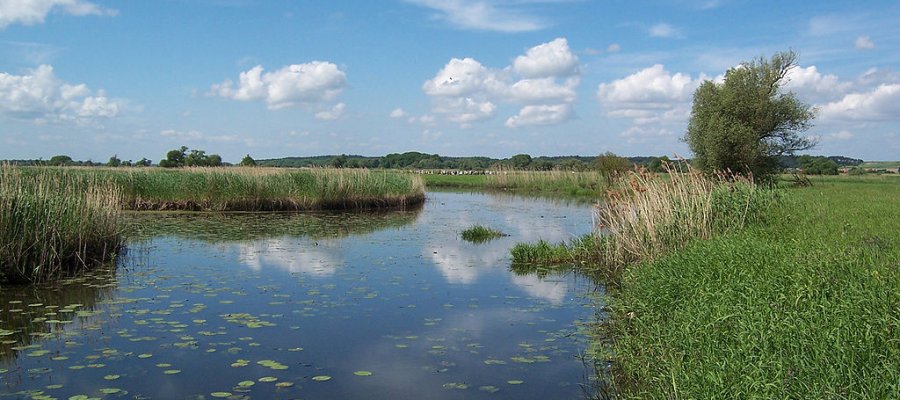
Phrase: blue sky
[93,78]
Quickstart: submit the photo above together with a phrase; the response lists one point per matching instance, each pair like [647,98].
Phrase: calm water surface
[314,306]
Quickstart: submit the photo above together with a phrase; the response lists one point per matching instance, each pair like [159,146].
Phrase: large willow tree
[744,123]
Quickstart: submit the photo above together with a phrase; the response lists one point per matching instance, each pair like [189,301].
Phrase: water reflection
[322,294]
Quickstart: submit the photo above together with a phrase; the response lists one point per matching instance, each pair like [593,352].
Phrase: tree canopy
[746,122]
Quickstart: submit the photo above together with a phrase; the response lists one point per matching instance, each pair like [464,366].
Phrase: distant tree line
[607,163]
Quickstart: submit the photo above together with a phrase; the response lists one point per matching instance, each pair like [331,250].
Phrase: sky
[278,78]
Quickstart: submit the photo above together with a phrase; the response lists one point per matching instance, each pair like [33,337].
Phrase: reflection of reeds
[241,227]
[32,312]
[52,224]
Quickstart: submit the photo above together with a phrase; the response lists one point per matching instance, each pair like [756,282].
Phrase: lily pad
[363,373]
[321,378]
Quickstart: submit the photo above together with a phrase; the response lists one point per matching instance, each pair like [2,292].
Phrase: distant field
[881,164]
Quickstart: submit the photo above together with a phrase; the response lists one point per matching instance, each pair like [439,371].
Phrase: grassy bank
[652,215]
[549,182]
[54,224]
[804,307]
[254,189]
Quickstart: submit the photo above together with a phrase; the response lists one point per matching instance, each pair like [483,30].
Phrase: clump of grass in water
[53,225]
[480,234]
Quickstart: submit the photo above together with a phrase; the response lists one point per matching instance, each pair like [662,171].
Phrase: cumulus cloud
[544,81]
[482,15]
[332,114]
[864,43]
[314,86]
[552,59]
[811,85]
[41,97]
[880,103]
[652,88]
[198,136]
[541,115]
[31,12]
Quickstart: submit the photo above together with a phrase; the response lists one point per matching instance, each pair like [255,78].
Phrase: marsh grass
[480,234]
[804,306]
[650,215]
[256,189]
[562,182]
[53,224]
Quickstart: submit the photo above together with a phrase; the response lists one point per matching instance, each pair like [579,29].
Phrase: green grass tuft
[480,234]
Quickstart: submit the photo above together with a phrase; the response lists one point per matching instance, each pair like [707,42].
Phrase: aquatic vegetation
[652,215]
[252,188]
[54,224]
[480,234]
[576,183]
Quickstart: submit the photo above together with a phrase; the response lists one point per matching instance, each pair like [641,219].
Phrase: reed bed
[54,224]
[651,215]
[257,189]
[568,182]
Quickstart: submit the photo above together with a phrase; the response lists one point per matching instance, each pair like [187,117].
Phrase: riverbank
[804,306]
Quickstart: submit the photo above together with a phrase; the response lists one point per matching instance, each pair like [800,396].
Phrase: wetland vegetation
[480,234]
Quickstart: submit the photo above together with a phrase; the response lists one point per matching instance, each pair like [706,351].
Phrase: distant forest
[417,160]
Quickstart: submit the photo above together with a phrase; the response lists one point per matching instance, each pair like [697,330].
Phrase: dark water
[314,306]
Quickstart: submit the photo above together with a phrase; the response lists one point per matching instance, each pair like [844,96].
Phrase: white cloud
[482,15]
[465,110]
[535,90]
[31,12]
[398,113]
[314,85]
[663,31]
[332,114]
[40,96]
[552,59]
[613,48]
[864,43]
[811,85]
[197,136]
[461,78]
[541,115]
[465,91]
[652,88]
[880,103]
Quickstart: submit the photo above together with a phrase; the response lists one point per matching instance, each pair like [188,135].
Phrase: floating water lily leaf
[515,382]
[220,394]
[145,355]
[455,385]
[321,378]
[246,383]
[172,371]
[267,379]
[111,377]
[489,389]
[362,373]
[284,384]
[110,390]
[79,397]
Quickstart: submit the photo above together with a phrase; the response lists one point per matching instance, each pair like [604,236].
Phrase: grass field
[804,306]
[881,164]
